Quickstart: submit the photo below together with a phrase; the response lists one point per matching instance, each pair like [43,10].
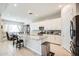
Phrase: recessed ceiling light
[15,5]
[60,6]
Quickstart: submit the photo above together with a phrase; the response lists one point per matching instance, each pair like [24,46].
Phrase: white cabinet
[67,14]
[33,43]
[48,24]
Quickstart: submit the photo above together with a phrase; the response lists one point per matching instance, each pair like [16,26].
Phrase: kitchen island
[33,42]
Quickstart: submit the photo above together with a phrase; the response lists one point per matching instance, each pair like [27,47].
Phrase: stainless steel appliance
[26,29]
[41,30]
[74,33]
[45,48]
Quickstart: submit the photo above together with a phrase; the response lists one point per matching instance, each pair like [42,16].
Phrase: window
[12,28]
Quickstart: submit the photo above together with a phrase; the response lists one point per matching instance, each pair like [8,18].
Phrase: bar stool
[20,43]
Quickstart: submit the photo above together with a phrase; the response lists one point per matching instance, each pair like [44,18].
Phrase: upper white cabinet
[67,14]
[49,24]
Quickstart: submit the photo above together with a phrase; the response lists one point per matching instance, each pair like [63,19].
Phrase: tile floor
[59,51]
[7,49]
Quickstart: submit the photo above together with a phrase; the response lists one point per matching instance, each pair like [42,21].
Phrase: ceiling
[29,12]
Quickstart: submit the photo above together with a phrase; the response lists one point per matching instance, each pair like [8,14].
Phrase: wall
[2,33]
[49,24]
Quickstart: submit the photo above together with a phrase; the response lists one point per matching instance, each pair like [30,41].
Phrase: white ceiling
[20,12]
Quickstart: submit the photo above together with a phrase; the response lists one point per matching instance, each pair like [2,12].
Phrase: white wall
[2,34]
[49,24]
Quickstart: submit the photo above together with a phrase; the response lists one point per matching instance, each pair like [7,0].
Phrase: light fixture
[29,12]
[15,5]
[60,6]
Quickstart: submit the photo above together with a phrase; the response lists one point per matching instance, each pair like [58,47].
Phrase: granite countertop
[53,39]
[43,38]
